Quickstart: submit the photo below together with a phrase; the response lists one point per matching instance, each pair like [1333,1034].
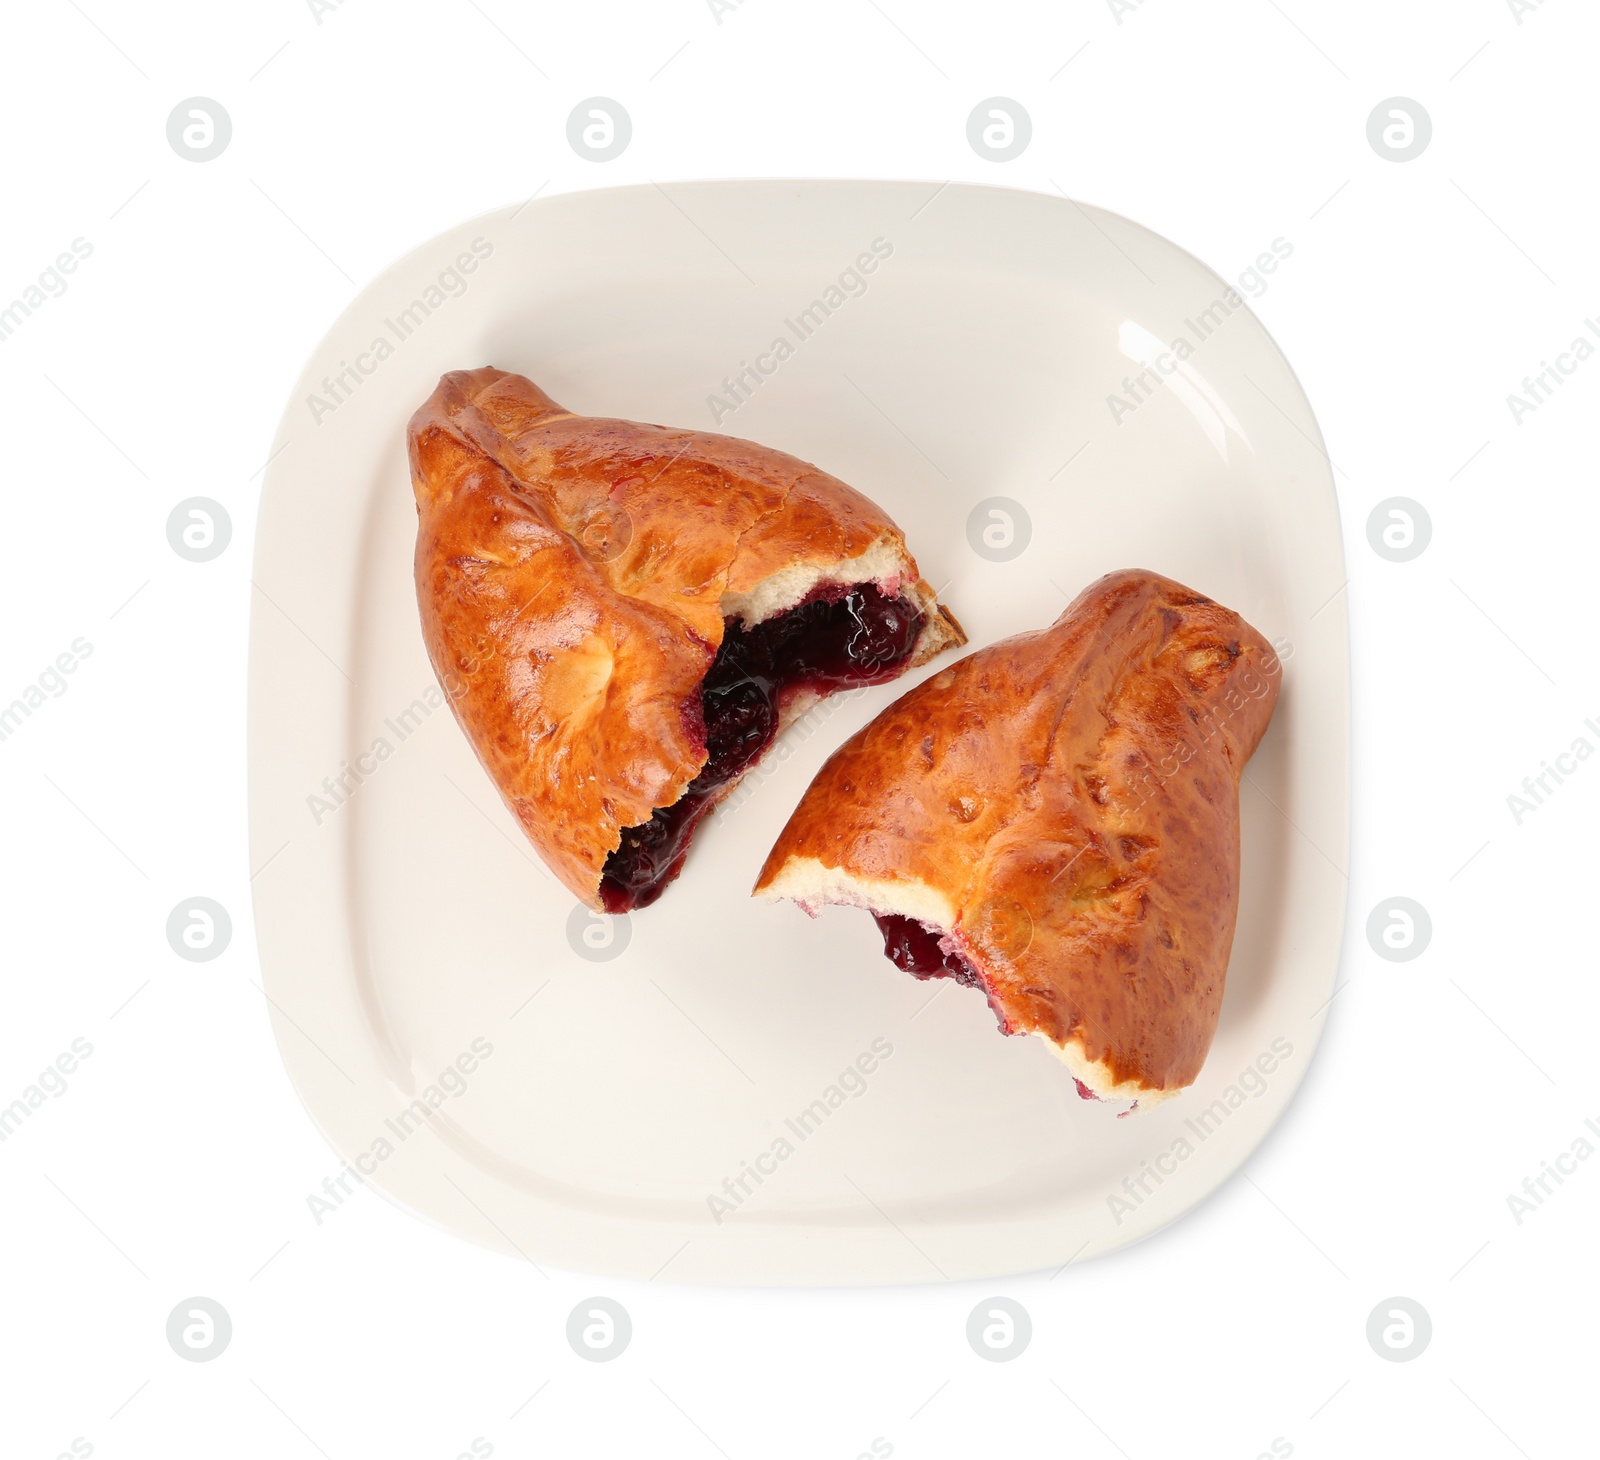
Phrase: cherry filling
[838,638]
[914,947]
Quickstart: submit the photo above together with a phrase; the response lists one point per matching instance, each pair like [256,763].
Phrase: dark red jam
[837,639]
[914,947]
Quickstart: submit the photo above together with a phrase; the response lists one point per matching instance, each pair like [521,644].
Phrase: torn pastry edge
[812,884]
[1097,1077]
[885,563]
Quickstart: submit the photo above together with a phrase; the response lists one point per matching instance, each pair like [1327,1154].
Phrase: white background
[1419,295]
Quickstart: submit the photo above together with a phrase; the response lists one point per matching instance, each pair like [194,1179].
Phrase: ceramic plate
[714,1089]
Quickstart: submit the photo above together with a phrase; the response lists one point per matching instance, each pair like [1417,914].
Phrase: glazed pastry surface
[1061,811]
[574,575]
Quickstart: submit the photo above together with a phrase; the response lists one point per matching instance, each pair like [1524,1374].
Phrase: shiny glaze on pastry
[577,577]
[1055,819]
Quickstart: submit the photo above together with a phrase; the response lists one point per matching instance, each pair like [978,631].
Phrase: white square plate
[638,1109]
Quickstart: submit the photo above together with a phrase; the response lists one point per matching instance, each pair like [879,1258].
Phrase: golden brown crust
[1072,795]
[571,572]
